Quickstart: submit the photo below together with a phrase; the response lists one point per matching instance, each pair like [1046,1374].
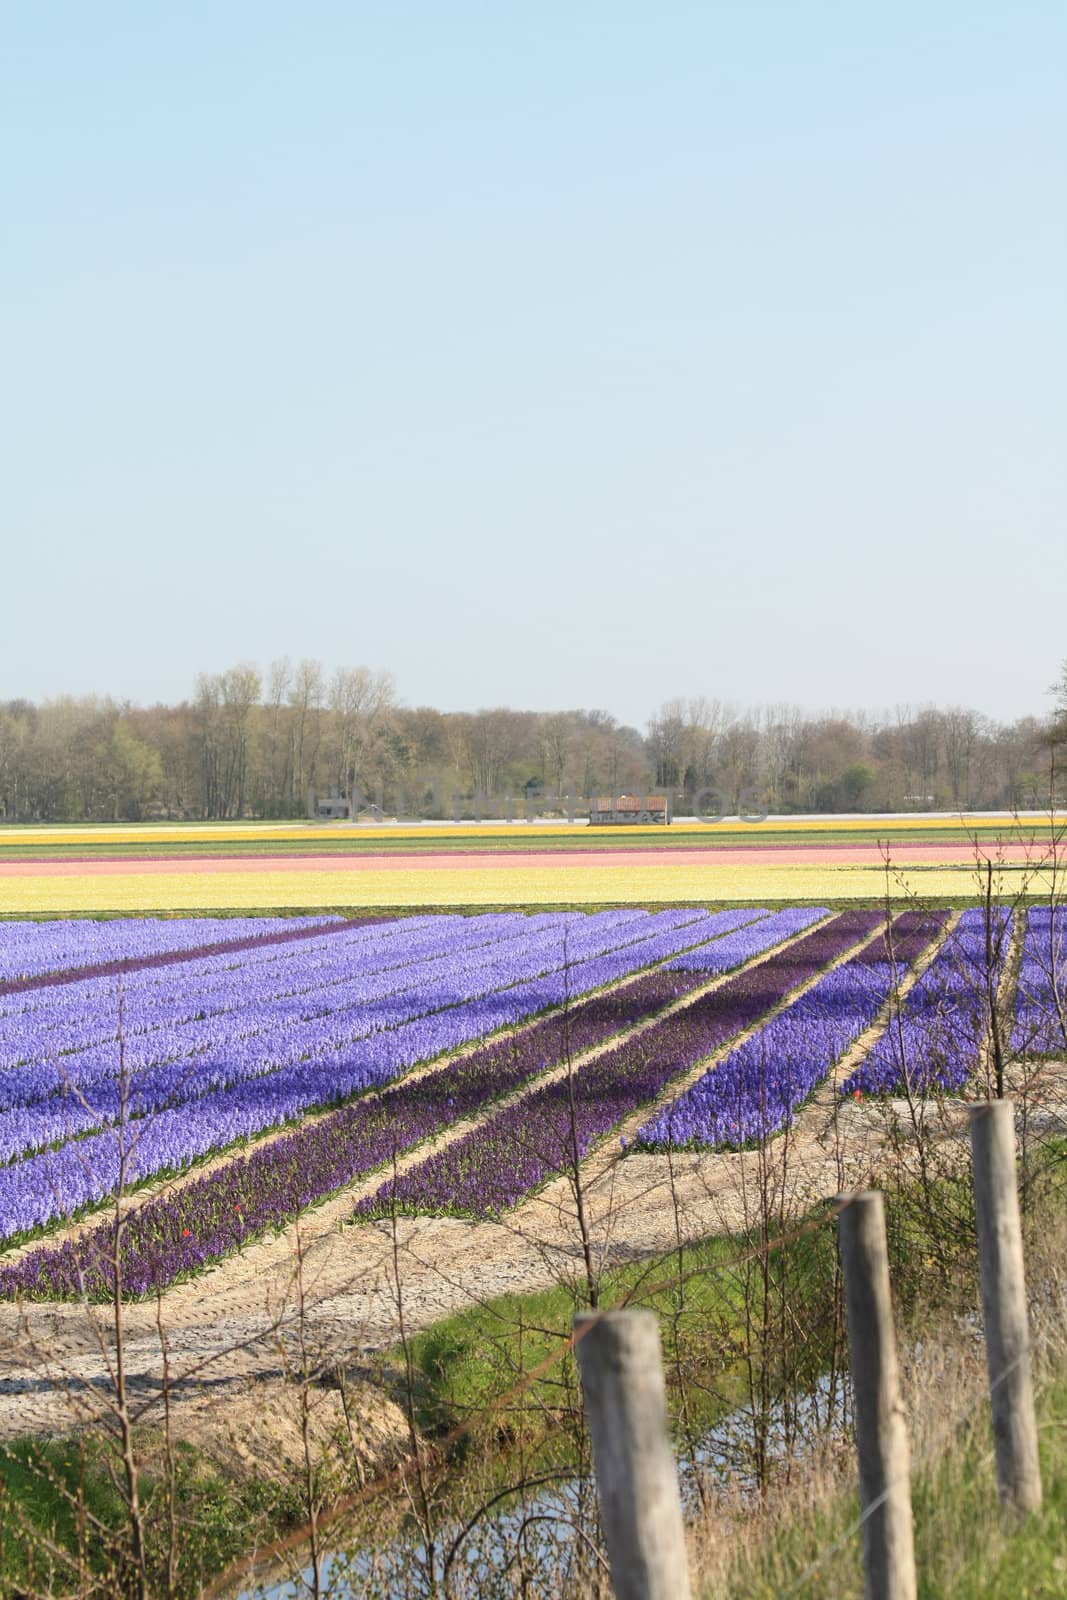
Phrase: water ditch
[531,1542]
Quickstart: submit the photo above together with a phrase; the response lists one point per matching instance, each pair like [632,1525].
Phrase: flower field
[1041,1008]
[943,1022]
[630,880]
[501,1160]
[30,951]
[304,1055]
[195,868]
[755,1092]
[93,1097]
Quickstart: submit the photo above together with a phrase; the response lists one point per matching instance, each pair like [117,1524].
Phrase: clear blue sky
[552,355]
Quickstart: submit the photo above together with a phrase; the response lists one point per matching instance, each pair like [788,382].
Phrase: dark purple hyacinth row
[757,1091]
[477,984]
[213,1215]
[936,1041]
[504,1158]
[30,951]
[1041,998]
[910,934]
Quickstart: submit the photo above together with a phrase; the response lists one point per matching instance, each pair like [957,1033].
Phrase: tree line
[253,744]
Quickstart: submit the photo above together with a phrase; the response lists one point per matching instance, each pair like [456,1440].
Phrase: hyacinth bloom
[758,1089]
[165,1238]
[32,949]
[721,958]
[512,1153]
[935,1041]
[242,1047]
[1041,997]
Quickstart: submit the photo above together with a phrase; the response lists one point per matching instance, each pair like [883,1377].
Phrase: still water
[546,1532]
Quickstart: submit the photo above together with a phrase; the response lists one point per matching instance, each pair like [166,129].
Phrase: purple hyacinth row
[758,1089]
[33,949]
[264,1006]
[263,1050]
[1041,998]
[936,1041]
[588,952]
[152,1007]
[50,987]
[378,981]
[506,1157]
[211,1216]
[713,959]
[86,1015]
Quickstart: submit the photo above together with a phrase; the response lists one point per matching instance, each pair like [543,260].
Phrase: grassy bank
[750,1322]
[807,1543]
[65,1524]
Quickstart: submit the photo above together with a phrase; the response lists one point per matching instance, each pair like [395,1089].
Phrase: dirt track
[234,1331]
[235,1323]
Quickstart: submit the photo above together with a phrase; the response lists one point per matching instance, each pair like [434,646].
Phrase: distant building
[329,808]
[606,811]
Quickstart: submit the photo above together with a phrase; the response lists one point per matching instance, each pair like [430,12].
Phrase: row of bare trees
[252,744]
[918,758]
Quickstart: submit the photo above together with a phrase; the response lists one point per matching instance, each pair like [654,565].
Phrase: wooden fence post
[1007,1329]
[636,1475]
[881,1435]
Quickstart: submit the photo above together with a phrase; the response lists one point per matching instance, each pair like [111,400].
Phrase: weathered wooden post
[636,1476]
[1007,1328]
[881,1435]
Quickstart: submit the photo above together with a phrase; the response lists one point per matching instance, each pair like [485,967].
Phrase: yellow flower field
[151,833]
[479,886]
